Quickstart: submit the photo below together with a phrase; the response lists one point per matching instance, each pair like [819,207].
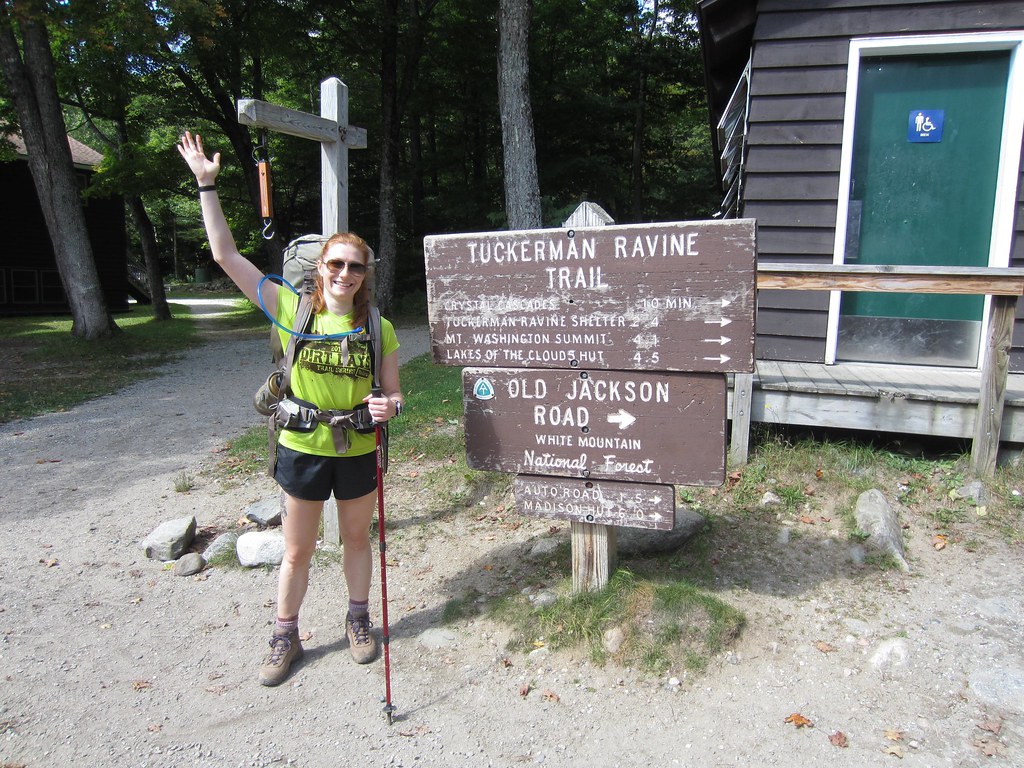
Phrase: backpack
[274,399]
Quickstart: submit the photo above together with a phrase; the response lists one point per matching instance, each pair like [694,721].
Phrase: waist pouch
[302,416]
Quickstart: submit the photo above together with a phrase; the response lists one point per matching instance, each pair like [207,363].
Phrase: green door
[922,191]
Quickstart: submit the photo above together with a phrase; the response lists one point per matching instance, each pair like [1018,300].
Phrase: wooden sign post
[336,137]
[333,132]
[597,362]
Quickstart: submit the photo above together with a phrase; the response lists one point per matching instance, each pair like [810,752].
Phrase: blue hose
[297,334]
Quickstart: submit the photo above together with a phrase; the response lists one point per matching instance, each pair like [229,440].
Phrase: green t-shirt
[320,376]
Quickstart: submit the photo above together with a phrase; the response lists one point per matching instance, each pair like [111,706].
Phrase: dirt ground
[109,659]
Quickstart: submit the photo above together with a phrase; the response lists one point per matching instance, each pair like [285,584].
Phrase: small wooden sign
[601,502]
[657,297]
[617,425]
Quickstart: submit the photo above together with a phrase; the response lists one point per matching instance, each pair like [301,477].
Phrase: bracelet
[208,188]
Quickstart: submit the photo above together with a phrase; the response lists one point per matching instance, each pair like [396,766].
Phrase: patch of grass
[664,625]
[47,369]
[184,482]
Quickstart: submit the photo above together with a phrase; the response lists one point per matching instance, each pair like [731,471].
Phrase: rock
[973,492]
[876,518]
[437,638]
[891,658]
[544,547]
[770,499]
[544,598]
[999,688]
[260,548]
[189,564]
[613,639]
[265,513]
[226,542]
[646,541]
[170,539]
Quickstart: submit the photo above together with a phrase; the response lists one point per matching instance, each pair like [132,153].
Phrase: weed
[184,482]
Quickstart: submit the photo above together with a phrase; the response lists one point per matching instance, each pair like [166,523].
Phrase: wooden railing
[1003,285]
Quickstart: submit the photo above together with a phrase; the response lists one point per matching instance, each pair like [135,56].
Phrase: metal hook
[268,229]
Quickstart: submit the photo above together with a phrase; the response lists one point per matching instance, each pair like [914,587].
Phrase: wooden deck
[885,398]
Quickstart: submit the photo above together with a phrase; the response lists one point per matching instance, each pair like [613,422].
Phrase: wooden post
[594,555]
[595,548]
[988,422]
[336,137]
[739,440]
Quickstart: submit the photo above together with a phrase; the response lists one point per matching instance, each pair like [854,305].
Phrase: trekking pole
[389,708]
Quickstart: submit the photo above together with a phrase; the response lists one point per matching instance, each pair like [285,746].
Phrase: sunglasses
[339,265]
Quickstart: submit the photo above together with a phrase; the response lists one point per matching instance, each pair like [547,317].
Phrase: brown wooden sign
[601,502]
[655,297]
[618,425]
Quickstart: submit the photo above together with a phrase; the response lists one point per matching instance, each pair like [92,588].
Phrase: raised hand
[205,169]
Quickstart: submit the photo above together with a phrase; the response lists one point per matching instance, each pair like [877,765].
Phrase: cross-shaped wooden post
[336,137]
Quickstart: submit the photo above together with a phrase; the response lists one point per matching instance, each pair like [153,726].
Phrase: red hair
[361,301]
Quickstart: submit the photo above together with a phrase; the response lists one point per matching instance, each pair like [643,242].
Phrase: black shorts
[313,478]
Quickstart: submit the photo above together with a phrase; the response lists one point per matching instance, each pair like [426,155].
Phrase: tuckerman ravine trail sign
[595,362]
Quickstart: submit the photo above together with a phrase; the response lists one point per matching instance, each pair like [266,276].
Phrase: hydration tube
[297,334]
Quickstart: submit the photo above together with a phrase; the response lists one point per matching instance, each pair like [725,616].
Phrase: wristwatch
[398,407]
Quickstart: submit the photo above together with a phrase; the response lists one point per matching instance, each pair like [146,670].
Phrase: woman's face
[343,269]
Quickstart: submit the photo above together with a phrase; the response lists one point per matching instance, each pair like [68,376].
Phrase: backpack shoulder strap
[303,318]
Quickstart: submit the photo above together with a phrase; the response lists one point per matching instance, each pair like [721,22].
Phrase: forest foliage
[617,90]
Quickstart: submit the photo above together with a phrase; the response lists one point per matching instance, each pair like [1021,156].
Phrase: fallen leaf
[939,541]
[551,696]
[819,473]
[982,511]
[894,750]
[306,636]
[992,726]
[524,689]
[414,474]
[799,721]
[824,647]
[217,689]
[506,663]
[806,519]
[554,529]
[488,567]
[989,746]
[893,735]
[538,643]
[838,739]
[155,727]
[141,685]
[50,563]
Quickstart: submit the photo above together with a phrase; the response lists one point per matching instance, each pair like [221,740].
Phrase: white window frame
[1009,150]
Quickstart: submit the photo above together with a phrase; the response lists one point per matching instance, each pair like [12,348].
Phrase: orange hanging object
[266,190]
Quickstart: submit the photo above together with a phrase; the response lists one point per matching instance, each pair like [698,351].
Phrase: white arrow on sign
[726,302]
[722,322]
[723,340]
[621,418]
[720,358]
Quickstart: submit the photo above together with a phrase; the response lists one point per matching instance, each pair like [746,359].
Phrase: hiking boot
[361,641]
[284,649]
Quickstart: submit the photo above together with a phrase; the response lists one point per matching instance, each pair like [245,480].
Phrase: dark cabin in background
[859,132]
[29,281]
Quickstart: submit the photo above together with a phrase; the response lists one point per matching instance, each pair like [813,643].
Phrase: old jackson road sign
[616,425]
[656,297]
[599,502]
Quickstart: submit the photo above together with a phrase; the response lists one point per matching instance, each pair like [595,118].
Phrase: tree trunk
[151,253]
[387,245]
[522,189]
[32,84]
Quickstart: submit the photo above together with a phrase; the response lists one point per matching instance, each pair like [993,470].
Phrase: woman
[308,468]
